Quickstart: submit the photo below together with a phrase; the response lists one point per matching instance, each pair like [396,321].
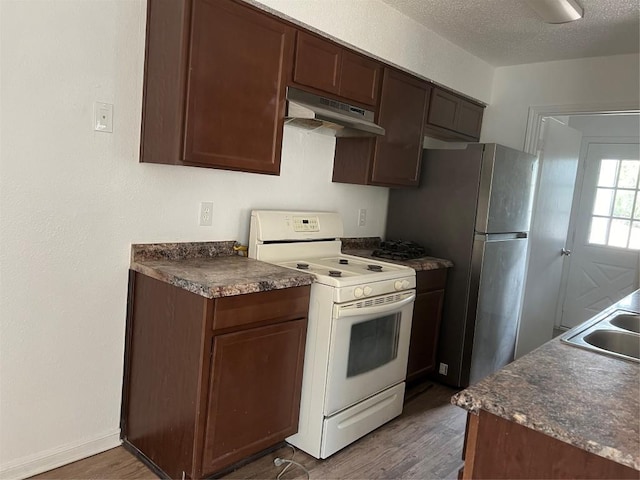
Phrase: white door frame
[532,145]
[537,113]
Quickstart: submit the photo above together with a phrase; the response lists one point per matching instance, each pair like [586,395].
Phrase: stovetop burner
[335,273]
[303,266]
[374,268]
[399,250]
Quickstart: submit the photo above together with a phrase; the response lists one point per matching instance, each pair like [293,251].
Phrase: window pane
[598,234]
[634,242]
[607,173]
[604,201]
[623,203]
[628,177]
[636,212]
[619,233]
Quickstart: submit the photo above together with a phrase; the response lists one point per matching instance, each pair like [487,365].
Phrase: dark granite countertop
[212,269]
[580,397]
[364,247]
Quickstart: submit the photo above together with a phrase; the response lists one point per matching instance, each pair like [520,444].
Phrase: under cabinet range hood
[325,115]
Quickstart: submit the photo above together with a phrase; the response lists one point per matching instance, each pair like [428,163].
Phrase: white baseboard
[56,457]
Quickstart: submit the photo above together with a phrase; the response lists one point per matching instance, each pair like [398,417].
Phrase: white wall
[600,82]
[73,200]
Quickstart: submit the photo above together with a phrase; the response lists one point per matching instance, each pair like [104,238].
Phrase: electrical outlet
[206,214]
[362,217]
[443,369]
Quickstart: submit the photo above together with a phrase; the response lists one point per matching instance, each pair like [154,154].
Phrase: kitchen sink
[627,322]
[617,334]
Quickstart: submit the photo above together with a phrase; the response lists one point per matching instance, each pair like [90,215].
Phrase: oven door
[369,348]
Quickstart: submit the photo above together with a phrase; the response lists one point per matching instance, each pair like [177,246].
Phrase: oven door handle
[350,311]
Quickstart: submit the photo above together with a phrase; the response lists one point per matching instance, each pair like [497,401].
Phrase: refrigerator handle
[497,237]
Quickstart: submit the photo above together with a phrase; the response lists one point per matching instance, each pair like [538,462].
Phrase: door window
[615,219]
[373,343]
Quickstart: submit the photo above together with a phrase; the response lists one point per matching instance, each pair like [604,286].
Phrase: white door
[603,266]
[548,234]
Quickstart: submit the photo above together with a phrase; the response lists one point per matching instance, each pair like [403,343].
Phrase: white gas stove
[358,330]
[310,242]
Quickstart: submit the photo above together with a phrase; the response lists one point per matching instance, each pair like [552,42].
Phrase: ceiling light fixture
[556,11]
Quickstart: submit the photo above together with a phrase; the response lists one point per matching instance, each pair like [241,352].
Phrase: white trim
[537,113]
[59,456]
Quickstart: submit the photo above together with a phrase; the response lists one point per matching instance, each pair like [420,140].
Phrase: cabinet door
[443,109]
[425,328]
[165,80]
[254,392]
[461,118]
[398,154]
[470,119]
[317,63]
[359,78]
[240,61]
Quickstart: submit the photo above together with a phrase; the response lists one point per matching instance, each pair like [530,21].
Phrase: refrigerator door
[505,199]
[497,279]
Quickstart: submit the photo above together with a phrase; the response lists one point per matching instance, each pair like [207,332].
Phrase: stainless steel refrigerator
[473,207]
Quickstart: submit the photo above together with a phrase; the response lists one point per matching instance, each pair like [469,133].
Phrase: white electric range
[358,330]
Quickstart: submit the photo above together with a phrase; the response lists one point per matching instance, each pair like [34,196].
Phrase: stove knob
[358,292]
[397,285]
[405,284]
[367,291]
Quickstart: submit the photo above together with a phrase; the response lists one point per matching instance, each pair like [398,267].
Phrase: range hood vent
[325,115]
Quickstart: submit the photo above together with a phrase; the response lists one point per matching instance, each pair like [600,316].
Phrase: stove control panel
[401,284]
[360,292]
[305,224]
[373,289]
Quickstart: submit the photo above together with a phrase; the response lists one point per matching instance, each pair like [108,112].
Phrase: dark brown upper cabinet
[215,85]
[394,159]
[452,117]
[328,67]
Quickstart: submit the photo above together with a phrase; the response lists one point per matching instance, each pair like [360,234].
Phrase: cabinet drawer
[261,308]
[428,280]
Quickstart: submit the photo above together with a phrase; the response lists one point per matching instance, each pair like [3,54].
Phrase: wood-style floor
[425,442]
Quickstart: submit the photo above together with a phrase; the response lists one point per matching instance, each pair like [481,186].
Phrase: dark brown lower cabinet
[425,325]
[210,382]
[247,412]
[496,448]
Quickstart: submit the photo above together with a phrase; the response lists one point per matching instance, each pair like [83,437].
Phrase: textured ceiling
[508,32]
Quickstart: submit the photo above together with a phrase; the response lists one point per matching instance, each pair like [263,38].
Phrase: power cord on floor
[282,461]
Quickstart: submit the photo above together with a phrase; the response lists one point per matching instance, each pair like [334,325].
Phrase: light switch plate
[103,117]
